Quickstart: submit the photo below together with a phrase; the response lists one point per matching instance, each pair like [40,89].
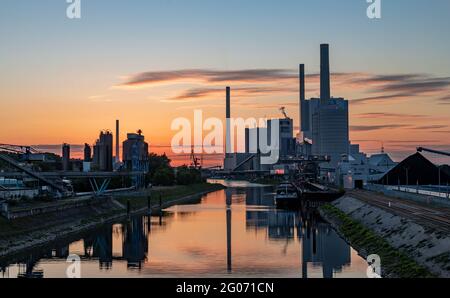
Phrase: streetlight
[439,177]
[407,176]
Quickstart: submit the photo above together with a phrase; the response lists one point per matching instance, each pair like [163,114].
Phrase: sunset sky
[147,62]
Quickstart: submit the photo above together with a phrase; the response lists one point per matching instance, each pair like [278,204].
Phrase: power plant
[324,126]
[325,120]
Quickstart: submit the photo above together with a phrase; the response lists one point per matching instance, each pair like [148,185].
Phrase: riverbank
[407,250]
[28,233]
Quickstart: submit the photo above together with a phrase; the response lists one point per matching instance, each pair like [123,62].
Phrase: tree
[163,176]
[160,172]
[187,176]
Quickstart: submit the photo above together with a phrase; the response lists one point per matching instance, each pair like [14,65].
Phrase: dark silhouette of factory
[415,170]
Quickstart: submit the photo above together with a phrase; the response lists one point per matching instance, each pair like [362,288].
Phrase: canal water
[236,232]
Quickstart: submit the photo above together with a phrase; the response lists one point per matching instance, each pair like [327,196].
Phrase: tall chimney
[228,119]
[324,73]
[302,96]
[117,141]
[302,82]
[228,102]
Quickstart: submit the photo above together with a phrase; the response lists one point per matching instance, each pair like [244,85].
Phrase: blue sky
[172,34]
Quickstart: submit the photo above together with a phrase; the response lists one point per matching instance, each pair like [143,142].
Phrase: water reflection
[235,232]
[319,242]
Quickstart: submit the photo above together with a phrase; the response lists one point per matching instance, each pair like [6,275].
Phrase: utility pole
[407,177]
[439,177]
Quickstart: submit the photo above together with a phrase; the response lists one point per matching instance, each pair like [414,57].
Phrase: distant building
[287,141]
[381,163]
[250,160]
[135,155]
[66,157]
[87,153]
[330,129]
[103,152]
[415,170]
[356,170]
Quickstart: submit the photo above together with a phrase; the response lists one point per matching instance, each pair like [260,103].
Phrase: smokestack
[228,119]
[117,141]
[302,95]
[228,102]
[302,82]
[324,73]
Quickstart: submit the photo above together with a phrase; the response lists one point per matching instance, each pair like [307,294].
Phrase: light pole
[407,177]
[439,177]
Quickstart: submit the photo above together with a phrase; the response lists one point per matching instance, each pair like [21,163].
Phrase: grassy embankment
[167,195]
[394,262]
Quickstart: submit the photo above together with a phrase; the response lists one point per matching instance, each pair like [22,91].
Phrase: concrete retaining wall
[428,248]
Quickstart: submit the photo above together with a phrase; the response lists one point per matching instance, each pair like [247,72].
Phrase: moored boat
[286,195]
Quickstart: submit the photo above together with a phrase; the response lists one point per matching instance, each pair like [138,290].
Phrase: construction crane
[283,111]
[196,162]
[421,149]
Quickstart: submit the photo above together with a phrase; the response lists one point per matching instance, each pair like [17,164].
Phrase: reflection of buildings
[100,246]
[320,243]
[257,196]
[135,242]
[28,267]
[228,195]
[281,225]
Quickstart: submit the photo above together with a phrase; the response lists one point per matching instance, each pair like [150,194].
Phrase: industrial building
[415,170]
[358,169]
[87,153]
[324,125]
[103,152]
[250,159]
[324,121]
[136,156]
[66,157]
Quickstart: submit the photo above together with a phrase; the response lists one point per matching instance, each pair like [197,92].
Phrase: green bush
[164,176]
[187,176]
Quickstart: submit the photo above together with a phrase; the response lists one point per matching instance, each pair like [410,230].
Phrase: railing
[442,192]
[435,191]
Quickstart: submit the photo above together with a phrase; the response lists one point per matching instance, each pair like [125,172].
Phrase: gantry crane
[421,149]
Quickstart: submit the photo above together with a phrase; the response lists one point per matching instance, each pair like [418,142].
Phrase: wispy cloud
[428,127]
[212,92]
[400,87]
[389,115]
[362,128]
[444,100]
[375,88]
[210,76]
